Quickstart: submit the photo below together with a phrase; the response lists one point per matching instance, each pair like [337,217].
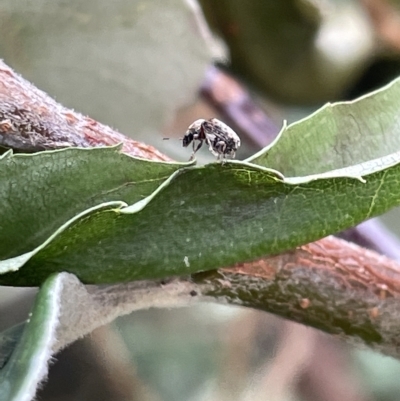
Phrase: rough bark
[332,285]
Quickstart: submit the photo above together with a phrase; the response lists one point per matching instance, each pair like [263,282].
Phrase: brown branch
[385,18]
[31,121]
[330,284]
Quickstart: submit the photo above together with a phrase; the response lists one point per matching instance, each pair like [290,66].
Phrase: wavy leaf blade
[207,218]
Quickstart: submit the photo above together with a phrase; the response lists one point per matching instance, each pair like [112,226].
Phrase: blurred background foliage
[150,68]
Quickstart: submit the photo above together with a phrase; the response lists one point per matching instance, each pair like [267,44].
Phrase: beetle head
[187,138]
[193,132]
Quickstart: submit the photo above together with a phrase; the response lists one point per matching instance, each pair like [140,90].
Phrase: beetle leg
[195,150]
[221,146]
[213,151]
[210,146]
[222,158]
[198,146]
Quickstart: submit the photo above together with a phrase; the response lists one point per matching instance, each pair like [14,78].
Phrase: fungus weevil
[221,139]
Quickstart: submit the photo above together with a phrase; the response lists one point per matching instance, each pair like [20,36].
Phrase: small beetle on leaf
[221,139]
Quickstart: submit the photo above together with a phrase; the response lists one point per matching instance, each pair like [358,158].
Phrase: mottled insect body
[222,140]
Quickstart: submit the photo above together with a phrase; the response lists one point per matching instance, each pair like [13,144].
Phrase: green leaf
[40,192]
[337,136]
[8,340]
[206,217]
[306,66]
[27,365]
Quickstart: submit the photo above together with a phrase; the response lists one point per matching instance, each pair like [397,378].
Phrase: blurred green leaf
[127,63]
[302,52]
[8,340]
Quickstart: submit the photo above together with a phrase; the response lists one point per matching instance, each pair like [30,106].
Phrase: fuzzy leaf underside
[27,365]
